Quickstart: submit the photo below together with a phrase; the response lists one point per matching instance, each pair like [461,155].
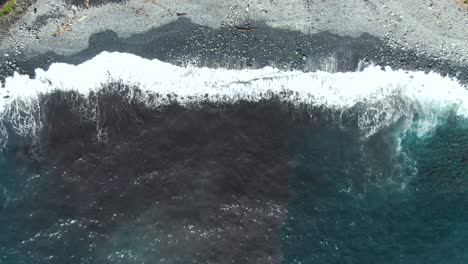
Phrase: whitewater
[123,159]
[388,94]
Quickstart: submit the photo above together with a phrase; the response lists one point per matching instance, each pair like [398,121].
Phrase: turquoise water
[339,216]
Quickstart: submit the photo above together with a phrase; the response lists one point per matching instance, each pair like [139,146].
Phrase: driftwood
[245,29]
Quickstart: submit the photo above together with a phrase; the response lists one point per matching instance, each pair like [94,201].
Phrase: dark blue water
[265,182]
[339,217]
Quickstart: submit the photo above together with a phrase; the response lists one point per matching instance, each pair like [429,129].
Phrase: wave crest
[379,97]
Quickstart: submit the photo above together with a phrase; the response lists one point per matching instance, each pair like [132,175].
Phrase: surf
[386,95]
[140,157]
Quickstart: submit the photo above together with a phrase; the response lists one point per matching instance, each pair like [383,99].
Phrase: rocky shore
[302,34]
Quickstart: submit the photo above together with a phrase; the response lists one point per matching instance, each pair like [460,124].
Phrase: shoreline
[124,159]
[184,42]
[246,35]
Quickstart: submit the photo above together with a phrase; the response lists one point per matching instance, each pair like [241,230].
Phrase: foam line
[431,92]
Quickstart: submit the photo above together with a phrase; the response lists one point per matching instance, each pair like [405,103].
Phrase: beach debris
[181,14]
[464,3]
[64,27]
[141,12]
[86,4]
[245,29]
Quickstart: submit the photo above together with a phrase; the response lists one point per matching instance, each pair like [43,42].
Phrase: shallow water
[242,167]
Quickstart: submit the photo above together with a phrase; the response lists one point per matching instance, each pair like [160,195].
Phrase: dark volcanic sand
[182,41]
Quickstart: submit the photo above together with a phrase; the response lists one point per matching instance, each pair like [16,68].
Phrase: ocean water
[127,160]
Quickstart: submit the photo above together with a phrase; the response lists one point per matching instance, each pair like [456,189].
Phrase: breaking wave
[381,97]
[127,160]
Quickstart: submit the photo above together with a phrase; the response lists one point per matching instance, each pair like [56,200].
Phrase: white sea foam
[388,94]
